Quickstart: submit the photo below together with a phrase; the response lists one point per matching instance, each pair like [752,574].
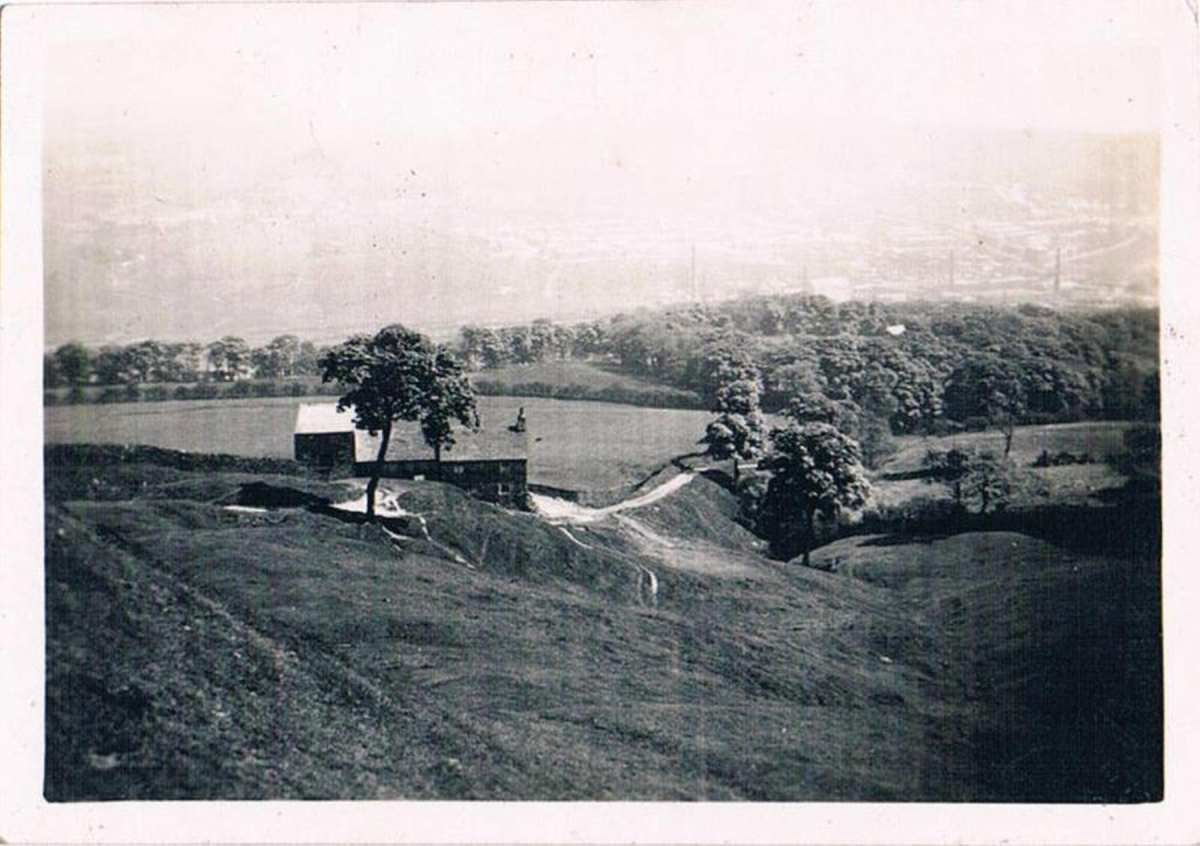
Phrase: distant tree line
[873,370]
[228,359]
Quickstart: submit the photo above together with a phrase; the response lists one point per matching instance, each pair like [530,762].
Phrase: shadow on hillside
[1130,526]
[903,540]
[262,495]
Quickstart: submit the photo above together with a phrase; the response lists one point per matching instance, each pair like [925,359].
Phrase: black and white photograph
[615,402]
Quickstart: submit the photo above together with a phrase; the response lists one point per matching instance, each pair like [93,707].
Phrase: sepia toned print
[599,401]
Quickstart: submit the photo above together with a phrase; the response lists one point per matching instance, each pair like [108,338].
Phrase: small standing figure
[519,426]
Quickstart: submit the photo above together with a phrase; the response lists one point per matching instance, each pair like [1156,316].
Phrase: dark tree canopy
[73,362]
[399,374]
[991,387]
[446,397]
[229,358]
[815,469]
[737,431]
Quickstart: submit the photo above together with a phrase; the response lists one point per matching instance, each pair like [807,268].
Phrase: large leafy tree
[978,477]
[738,430]
[815,469]
[446,397]
[991,387]
[109,365]
[948,467]
[277,360]
[806,408]
[74,363]
[398,374]
[229,358]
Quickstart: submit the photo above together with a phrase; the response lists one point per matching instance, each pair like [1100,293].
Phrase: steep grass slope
[199,652]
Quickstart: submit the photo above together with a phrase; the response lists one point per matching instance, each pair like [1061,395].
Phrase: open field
[560,374]
[1097,438]
[1075,484]
[576,445]
[195,651]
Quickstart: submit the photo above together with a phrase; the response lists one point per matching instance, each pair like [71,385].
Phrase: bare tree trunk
[737,472]
[808,533]
[377,471]
[437,461]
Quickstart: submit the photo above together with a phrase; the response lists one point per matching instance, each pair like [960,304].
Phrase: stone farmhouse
[491,464]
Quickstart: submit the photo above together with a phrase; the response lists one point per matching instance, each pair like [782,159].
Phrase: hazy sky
[234,167]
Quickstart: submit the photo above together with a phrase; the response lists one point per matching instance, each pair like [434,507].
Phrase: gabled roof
[407,443]
[323,417]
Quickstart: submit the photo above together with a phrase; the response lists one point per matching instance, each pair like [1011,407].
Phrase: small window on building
[459,469]
[502,488]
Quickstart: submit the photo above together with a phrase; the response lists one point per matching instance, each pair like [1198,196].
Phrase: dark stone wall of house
[501,481]
[330,452]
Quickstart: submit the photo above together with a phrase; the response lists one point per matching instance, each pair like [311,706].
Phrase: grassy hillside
[195,651]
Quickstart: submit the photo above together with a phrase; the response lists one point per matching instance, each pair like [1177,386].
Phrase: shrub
[922,514]
[1061,459]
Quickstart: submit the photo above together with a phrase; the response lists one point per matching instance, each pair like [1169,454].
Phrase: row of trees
[227,359]
[489,348]
[813,466]
[886,369]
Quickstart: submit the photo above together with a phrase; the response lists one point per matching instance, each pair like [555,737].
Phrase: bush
[239,390]
[922,514]
[155,393]
[943,426]
[1061,459]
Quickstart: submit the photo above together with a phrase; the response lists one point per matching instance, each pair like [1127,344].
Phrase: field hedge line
[665,397]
